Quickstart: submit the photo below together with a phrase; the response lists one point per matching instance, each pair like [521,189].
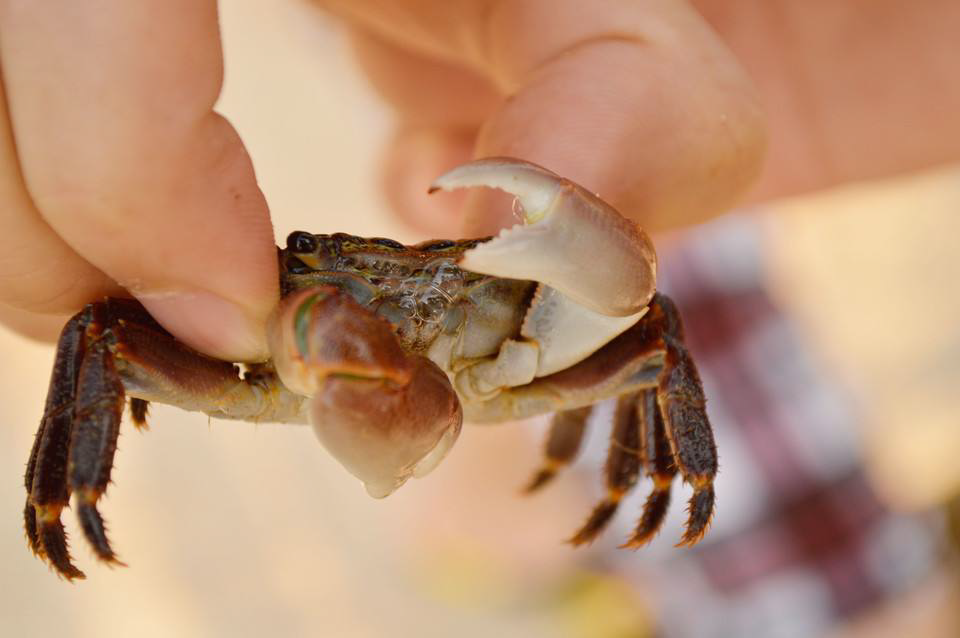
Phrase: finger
[40,327]
[416,156]
[853,91]
[424,89]
[637,101]
[39,272]
[440,108]
[643,106]
[111,104]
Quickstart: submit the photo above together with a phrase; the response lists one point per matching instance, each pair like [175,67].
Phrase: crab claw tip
[533,186]
[573,240]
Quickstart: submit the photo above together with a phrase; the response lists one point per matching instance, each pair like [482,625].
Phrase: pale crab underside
[384,348]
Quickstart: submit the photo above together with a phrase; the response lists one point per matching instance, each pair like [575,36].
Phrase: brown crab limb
[138,412]
[622,469]
[571,240]
[385,415]
[563,443]
[648,356]
[683,406]
[97,410]
[660,468]
[109,350]
[46,475]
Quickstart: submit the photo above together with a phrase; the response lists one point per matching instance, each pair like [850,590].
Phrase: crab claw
[572,240]
[384,434]
[383,414]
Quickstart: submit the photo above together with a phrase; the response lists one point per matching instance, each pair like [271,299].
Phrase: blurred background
[828,331]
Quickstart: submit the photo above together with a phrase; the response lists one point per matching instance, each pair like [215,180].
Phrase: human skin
[110,147]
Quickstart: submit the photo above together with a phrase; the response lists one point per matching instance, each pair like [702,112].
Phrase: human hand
[116,173]
[645,102]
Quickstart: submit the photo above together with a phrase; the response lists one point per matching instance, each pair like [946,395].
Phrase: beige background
[234,529]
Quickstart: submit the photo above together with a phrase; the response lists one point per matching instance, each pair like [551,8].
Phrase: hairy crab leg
[110,349]
[46,475]
[97,411]
[563,443]
[622,469]
[660,469]
[138,412]
[683,406]
[648,356]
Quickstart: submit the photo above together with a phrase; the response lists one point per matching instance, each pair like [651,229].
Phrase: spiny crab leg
[571,240]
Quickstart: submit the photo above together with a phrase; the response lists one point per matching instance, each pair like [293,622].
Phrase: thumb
[645,107]
[141,177]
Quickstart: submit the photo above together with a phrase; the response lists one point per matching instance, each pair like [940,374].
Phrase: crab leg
[138,412]
[683,406]
[46,475]
[660,468]
[110,349]
[622,469]
[97,411]
[73,451]
[563,443]
[650,356]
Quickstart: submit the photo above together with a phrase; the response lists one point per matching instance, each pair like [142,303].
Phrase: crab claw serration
[572,240]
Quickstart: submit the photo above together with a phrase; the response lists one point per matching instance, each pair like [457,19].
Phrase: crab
[386,349]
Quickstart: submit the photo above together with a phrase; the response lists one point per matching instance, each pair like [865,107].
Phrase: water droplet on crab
[518,210]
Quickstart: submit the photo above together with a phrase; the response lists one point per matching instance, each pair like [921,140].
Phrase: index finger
[639,101]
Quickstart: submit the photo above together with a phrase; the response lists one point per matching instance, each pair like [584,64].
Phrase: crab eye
[296,267]
[301,242]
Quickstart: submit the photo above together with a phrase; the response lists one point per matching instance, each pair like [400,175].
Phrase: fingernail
[210,324]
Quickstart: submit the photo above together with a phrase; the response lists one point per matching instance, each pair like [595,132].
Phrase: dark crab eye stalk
[385,415]
[301,242]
